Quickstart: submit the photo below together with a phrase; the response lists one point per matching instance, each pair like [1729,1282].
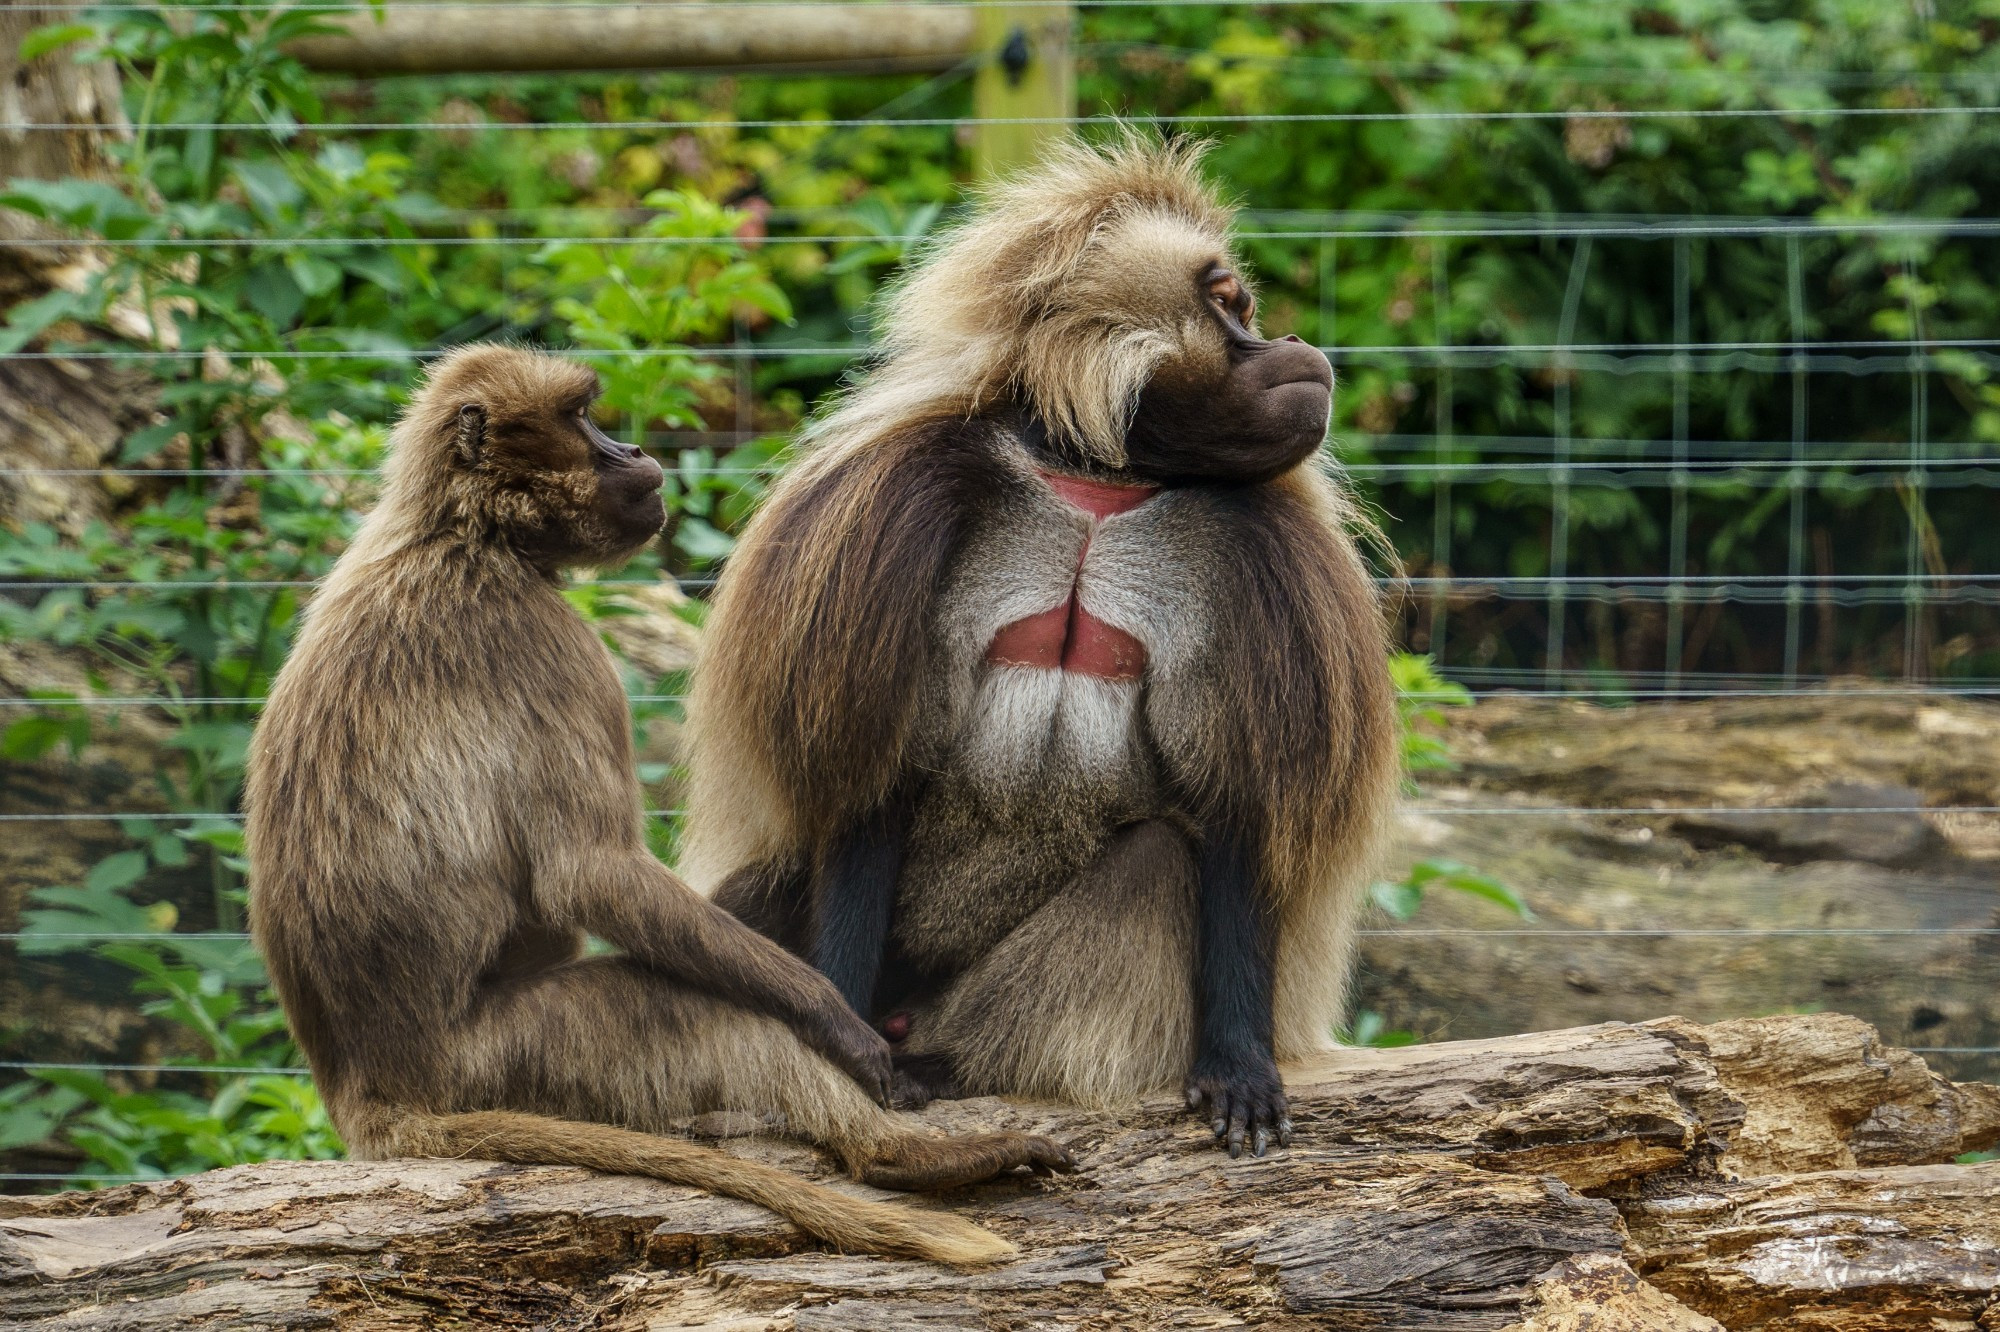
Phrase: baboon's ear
[471,432]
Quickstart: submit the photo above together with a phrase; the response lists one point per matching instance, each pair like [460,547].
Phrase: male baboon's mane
[998,307]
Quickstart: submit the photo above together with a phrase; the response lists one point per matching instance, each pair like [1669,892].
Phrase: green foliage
[1386,291]
[1402,897]
[1371,1029]
[1422,695]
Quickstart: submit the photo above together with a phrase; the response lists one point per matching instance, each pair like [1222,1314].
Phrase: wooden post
[1028,70]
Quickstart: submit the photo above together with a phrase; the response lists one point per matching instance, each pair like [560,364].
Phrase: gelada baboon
[1045,703]
[442,802]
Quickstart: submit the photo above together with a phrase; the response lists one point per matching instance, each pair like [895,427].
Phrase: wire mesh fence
[1606,482]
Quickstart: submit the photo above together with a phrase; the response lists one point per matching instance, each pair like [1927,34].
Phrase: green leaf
[28,320]
[31,738]
[227,838]
[270,188]
[146,441]
[1489,888]
[54,37]
[198,156]
[80,203]
[702,541]
[315,276]
[115,872]
[274,294]
[376,266]
[66,910]
[1400,900]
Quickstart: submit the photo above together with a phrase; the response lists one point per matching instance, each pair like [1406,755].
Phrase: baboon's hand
[857,1048]
[1243,1100]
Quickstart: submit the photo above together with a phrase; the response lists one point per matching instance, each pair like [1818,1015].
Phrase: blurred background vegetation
[720,275]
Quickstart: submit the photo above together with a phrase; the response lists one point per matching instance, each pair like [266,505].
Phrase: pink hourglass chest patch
[1067,637]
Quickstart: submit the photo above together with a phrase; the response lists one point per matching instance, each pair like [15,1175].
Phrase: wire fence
[1887,616]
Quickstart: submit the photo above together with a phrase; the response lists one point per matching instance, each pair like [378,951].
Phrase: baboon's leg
[1092,998]
[607,1041]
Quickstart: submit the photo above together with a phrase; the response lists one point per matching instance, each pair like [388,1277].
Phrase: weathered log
[1649,1177]
[436,39]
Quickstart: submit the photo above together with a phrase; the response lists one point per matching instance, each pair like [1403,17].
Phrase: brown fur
[442,802]
[1065,295]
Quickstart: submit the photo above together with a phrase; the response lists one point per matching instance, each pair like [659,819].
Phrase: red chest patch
[1067,637]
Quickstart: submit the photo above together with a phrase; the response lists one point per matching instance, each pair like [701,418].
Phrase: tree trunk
[55,416]
[52,89]
[1662,1177]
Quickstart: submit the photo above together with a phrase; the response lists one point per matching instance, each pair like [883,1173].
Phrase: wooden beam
[1027,70]
[447,39]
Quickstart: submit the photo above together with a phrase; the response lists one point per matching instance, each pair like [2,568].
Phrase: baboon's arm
[1235,1082]
[853,893]
[632,901]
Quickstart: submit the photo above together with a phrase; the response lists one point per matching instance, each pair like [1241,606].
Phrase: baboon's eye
[1230,295]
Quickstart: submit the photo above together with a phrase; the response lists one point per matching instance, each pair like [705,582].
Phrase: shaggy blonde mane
[1008,303]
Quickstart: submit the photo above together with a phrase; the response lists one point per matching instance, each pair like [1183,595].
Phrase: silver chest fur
[1034,768]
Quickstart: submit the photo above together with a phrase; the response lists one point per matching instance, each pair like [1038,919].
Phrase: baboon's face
[628,501]
[570,493]
[1229,405]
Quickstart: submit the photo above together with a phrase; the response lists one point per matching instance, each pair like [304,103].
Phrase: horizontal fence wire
[1553,932]
[1433,116]
[1620,475]
[766,351]
[419,6]
[1665,229]
[1435,811]
[1753,589]
[1614,358]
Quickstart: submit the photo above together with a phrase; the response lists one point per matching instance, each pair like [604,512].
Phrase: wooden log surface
[1786,1172]
[445,38]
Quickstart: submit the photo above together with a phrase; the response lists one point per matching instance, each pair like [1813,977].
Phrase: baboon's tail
[867,1227]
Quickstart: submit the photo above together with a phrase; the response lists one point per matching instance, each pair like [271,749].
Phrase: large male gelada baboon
[442,802]
[1045,704]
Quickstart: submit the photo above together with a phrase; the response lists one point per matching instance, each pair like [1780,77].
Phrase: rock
[1713,926]
[656,640]
[1896,837]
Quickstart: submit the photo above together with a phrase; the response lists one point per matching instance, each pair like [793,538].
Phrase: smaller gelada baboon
[443,803]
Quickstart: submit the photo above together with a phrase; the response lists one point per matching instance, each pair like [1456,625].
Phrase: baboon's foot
[923,1164]
[919,1079]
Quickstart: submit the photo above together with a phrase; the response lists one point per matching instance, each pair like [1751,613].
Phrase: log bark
[1772,1173]
[55,417]
[439,39]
